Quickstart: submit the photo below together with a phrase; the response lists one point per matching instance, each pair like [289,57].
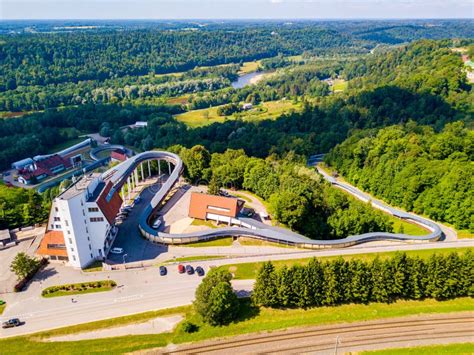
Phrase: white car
[116,250]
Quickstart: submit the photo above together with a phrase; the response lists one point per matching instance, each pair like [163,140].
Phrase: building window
[56,246]
[68,232]
[52,226]
[57,219]
[67,223]
[89,239]
[58,226]
[70,241]
[96,219]
[87,231]
[92,256]
[93,209]
[90,247]
[74,257]
[72,249]
[83,212]
[56,209]
[220,209]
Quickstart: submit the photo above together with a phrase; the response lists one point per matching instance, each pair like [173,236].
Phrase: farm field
[266,110]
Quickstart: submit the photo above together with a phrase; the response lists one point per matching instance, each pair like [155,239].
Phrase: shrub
[189,327]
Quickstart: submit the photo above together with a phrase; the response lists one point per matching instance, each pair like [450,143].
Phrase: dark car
[189,270]
[15,322]
[163,270]
[200,271]
[181,269]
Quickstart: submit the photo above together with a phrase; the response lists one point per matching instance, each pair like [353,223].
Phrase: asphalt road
[352,337]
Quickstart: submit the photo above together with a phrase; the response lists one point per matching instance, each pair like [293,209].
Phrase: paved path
[372,335]
[154,326]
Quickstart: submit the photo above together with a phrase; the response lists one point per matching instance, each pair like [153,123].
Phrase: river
[248,79]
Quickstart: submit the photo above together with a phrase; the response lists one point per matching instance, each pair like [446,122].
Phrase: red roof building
[119,155]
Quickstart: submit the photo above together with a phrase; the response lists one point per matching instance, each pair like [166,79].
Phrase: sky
[234,9]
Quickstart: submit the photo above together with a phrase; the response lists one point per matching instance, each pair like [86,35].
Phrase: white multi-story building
[81,223]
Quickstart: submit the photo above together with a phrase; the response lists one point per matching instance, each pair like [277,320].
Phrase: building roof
[52,162]
[80,186]
[119,154]
[201,204]
[52,238]
[111,208]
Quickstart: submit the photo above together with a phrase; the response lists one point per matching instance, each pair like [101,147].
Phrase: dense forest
[99,81]
[413,167]
[340,281]
[297,196]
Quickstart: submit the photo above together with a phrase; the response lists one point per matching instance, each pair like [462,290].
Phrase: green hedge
[83,287]
[354,281]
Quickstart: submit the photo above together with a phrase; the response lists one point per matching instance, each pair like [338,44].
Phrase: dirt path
[380,334]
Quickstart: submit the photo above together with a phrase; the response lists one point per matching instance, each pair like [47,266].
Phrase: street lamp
[337,343]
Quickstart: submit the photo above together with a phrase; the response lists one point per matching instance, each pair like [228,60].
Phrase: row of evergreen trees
[341,281]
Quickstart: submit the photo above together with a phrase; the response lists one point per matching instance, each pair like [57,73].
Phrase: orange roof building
[205,206]
[53,246]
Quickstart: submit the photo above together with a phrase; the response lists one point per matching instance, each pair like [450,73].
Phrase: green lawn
[465,234]
[339,85]
[95,266]
[252,320]
[200,222]
[263,243]
[462,348]
[2,308]
[194,258]
[78,288]
[249,67]
[408,228]
[266,110]
[221,242]
[249,270]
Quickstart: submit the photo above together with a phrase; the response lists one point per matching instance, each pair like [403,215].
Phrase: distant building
[141,124]
[247,106]
[81,226]
[41,169]
[119,155]
[217,208]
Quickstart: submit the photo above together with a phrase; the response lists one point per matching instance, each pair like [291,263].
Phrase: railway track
[323,339]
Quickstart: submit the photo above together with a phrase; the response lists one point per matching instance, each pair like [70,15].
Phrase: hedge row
[79,287]
[354,281]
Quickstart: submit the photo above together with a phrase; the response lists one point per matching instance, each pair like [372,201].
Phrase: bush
[189,327]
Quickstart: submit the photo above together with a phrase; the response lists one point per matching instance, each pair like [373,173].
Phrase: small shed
[5,237]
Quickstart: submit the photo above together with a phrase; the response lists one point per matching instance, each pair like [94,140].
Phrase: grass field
[462,348]
[249,270]
[465,234]
[200,222]
[249,67]
[193,258]
[408,228]
[95,266]
[220,242]
[79,288]
[251,320]
[266,110]
[339,85]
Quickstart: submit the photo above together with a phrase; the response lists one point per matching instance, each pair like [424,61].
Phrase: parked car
[157,224]
[116,250]
[200,271]
[189,270]
[181,269]
[163,270]
[14,322]
[137,199]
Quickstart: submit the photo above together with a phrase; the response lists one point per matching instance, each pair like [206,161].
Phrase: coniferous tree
[265,291]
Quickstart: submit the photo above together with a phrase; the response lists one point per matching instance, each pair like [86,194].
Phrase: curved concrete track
[250,227]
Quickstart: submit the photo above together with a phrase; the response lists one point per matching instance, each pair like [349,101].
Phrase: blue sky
[234,9]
